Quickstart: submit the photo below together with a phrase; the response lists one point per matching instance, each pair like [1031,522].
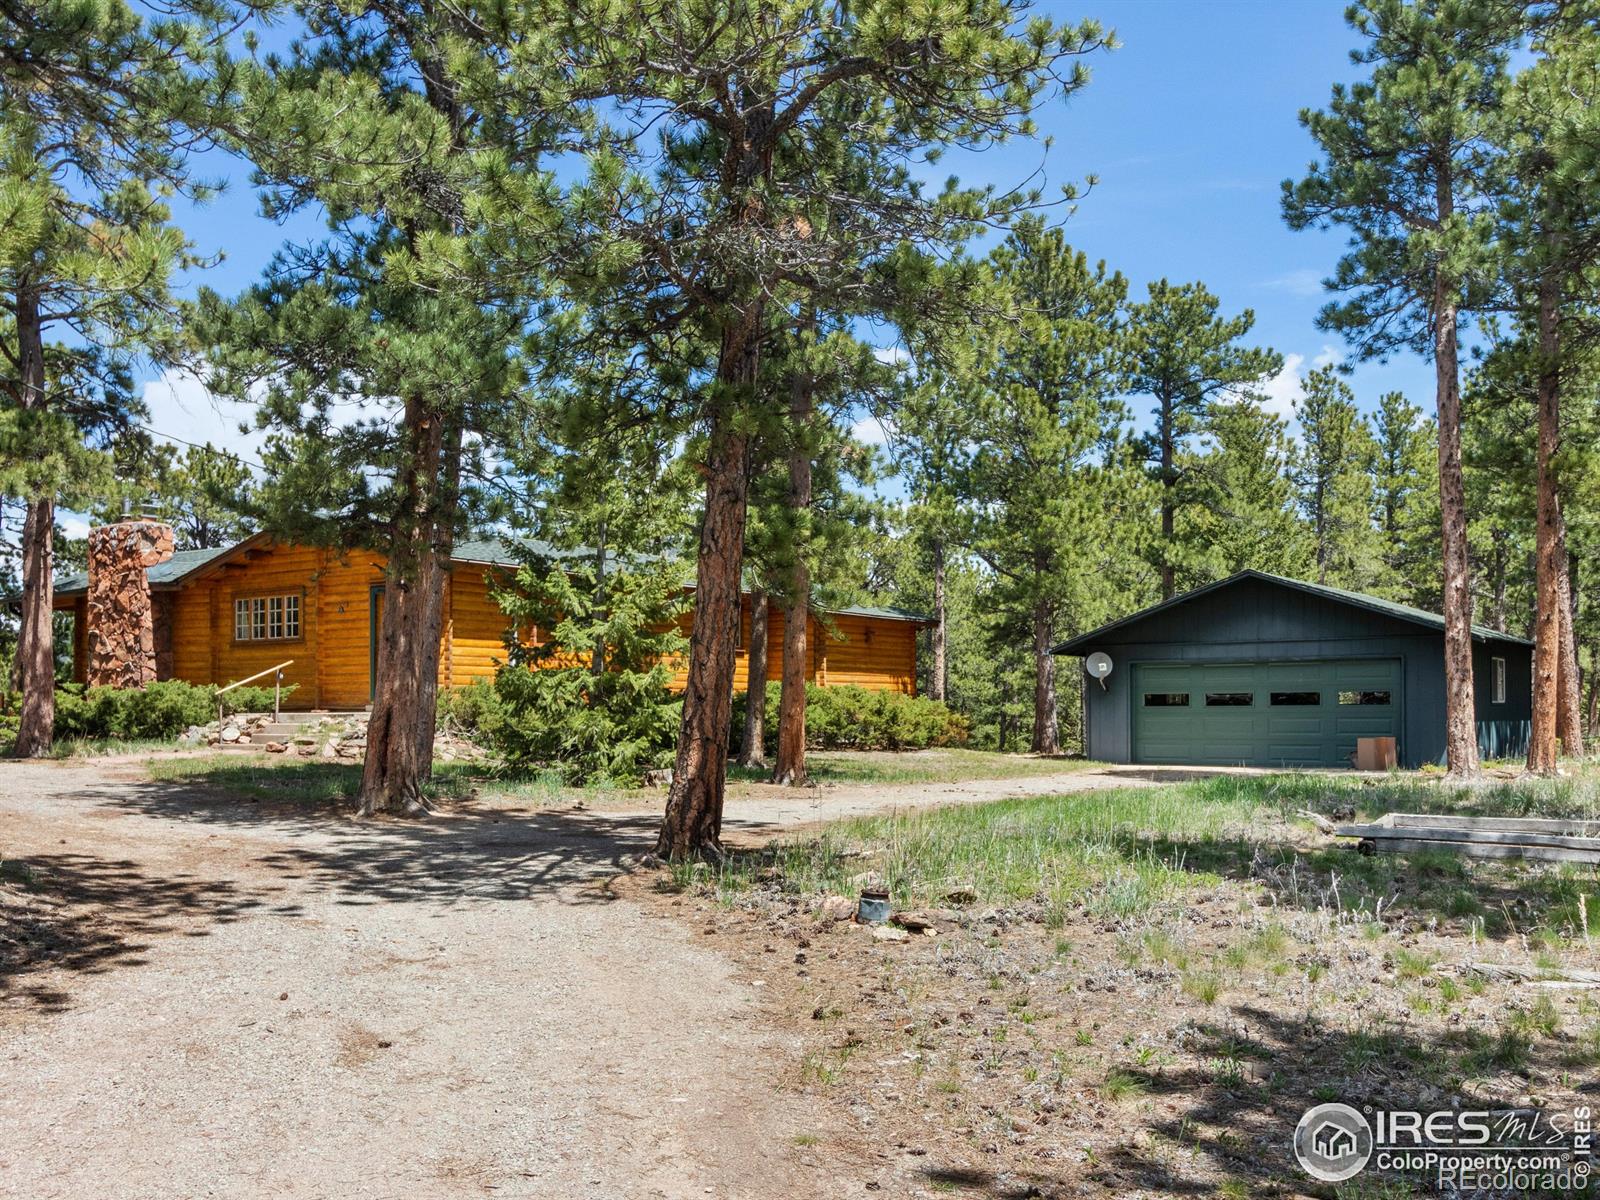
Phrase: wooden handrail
[277,689]
[253,678]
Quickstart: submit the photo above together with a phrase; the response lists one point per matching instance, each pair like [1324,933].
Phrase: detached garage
[1259,670]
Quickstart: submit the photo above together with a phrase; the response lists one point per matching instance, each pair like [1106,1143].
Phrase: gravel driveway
[243,1000]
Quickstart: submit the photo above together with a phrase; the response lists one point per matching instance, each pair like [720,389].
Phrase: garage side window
[1364,698]
[1229,699]
[1291,699]
[1498,671]
[1166,699]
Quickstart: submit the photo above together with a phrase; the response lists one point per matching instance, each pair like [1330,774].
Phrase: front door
[374,631]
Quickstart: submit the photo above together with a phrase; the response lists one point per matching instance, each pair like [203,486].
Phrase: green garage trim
[1284,714]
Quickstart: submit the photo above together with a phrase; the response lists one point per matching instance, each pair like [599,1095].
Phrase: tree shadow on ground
[465,852]
[1498,899]
[85,913]
[1233,1114]
[88,915]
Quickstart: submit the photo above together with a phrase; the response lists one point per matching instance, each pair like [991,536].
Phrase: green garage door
[1297,714]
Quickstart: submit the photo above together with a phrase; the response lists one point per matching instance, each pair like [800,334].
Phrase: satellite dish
[1098,665]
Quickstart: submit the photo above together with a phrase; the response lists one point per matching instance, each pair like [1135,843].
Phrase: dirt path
[237,1000]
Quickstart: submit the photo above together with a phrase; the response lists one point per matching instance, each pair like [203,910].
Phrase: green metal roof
[161,575]
[497,552]
[487,551]
[1389,608]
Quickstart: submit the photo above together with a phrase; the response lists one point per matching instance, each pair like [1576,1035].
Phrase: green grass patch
[1116,853]
[950,765]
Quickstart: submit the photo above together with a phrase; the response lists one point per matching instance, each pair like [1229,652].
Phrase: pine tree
[97,108]
[1184,356]
[1551,134]
[1407,169]
[1244,513]
[780,175]
[1051,474]
[400,123]
[1406,502]
[1332,470]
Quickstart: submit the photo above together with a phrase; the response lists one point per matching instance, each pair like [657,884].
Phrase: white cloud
[184,411]
[870,431]
[1302,282]
[1280,391]
[1329,357]
[891,355]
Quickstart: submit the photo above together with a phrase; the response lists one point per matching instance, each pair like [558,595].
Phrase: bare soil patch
[1027,1049]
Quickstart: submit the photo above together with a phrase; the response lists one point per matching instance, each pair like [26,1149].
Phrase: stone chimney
[122,649]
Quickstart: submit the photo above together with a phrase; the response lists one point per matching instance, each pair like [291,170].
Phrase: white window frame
[275,618]
[1497,674]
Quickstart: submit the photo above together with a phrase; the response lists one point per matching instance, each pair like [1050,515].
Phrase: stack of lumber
[1480,837]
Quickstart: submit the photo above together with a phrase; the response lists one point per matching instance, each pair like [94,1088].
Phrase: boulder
[276,747]
[837,908]
[230,733]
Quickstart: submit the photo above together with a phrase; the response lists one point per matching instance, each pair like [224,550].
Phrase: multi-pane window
[266,618]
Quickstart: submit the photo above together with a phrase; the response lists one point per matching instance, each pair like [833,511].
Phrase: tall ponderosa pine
[1244,512]
[1551,132]
[1406,167]
[1406,502]
[780,174]
[97,103]
[396,122]
[1184,356]
[1332,470]
[1051,479]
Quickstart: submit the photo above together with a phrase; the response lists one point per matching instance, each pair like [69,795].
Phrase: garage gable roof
[1387,608]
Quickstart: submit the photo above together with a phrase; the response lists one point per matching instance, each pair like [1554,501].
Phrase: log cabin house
[224,614]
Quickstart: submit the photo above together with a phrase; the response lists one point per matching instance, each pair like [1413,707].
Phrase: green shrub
[473,709]
[606,728]
[159,710]
[551,710]
[858,718]
[248,699]
[155,712]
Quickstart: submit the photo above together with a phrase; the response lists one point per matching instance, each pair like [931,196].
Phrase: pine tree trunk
[1549,560]
[1499,567]
[1169,483]
[791,768]
[1592,724]
[1046,721]
[1461,730]
[754,751]
[692,825]
[936,681]
[597,659]
[1569,682]
[399,756]
[36,666]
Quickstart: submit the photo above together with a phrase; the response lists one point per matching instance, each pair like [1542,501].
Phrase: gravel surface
[215,998]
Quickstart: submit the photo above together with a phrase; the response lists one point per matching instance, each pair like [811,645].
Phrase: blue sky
[1191,126]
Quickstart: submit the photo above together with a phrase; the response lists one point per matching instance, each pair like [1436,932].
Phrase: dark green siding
[1257,625]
